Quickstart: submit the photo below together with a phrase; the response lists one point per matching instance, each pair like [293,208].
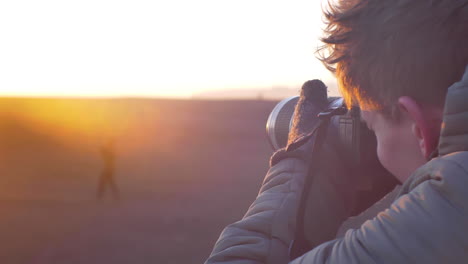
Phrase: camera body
[346,132]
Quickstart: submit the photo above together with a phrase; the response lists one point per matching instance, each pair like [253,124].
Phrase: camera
[354,155]
[355,142]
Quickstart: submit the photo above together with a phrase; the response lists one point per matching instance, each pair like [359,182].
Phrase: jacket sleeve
[265,232]
[428,224]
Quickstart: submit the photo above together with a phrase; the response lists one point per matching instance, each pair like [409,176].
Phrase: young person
[405,64]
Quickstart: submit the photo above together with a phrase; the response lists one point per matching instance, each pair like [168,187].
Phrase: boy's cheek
[398,151]
[382,155]
[388,149]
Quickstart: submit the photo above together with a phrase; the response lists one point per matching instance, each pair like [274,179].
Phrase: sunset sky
[172,48]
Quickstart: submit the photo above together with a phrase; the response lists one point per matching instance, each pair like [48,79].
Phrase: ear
[423,126]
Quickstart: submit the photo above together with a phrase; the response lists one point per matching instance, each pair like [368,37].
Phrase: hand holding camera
[345,176]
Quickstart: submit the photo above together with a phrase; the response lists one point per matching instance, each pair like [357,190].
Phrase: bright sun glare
[156,48]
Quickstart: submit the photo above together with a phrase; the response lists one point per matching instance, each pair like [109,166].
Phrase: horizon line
[186,98]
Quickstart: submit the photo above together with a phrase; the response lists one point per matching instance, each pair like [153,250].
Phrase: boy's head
[395,60]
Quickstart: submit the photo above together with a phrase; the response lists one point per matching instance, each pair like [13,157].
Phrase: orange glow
[353,96]
[72,121]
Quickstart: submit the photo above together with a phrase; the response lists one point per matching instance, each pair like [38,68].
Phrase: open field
[184,169]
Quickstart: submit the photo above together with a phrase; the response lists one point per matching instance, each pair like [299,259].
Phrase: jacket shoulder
[447,175]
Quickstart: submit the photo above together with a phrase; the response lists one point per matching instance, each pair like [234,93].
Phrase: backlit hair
[380,50]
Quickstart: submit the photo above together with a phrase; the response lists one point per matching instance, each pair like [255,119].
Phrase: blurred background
[135,130]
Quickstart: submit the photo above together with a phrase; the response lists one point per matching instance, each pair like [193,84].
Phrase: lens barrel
[280,121]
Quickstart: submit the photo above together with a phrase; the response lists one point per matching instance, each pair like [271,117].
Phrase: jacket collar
[454,131]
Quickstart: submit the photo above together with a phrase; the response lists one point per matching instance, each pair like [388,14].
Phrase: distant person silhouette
[107,179]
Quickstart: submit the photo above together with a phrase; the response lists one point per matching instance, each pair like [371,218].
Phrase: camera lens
[280,121]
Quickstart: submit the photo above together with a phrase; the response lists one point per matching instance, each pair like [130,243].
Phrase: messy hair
[380,50]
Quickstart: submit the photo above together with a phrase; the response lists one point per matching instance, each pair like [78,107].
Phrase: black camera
[346,131]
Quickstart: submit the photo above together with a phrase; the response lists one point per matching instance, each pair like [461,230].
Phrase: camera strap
[300,245]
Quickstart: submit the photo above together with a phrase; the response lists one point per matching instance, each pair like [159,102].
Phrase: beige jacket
[427,223]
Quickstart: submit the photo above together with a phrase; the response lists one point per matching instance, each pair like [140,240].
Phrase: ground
[184,170]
